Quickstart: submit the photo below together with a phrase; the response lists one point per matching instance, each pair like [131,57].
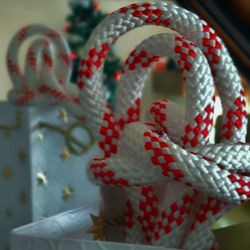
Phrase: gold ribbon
[232,231]
[70,139]
[14,126]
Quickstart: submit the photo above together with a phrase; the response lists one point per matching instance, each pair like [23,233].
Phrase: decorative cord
[70,138]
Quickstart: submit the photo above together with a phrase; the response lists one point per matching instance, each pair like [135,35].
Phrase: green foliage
[84,17]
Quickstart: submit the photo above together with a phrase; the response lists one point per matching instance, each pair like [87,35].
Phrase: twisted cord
[51,77]
[189,25]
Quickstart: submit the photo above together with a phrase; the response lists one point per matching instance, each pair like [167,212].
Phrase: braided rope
[189,25]
[138,65]
[170,150]
[52,77]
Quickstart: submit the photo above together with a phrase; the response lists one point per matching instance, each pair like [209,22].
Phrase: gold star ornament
[102,223]
[8,173]
[41,178]
[39,137]
[65,154]
[63,115]
[67,193]
[98,226]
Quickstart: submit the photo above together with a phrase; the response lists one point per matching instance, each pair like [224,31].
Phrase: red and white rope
[109,126]
[44,73]
[177,184]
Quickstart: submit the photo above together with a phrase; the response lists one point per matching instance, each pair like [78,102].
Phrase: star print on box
[41,178]
[39,174]
[8,173]
[40,136]
[67,193]
[63,115]
[65,154]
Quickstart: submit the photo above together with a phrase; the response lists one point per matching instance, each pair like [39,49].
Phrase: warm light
[96,5]
[67,26]
[117,76]
[73,55]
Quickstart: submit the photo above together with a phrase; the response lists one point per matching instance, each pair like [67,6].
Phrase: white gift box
[39,176]
[66,231]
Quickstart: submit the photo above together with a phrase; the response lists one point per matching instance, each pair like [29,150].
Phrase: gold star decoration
[41,178]
[23,198]
[39,137]
[9,212]
[65,154]
[98,226]
[67,193]
[63,115]
[22,157]
[101,223]
[8,173]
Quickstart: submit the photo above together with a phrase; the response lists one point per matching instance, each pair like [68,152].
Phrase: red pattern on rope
[53,34]
[48,60]
[148,211]
[211,206]
[54,92]
[154,16]
[244,189]
[167,221]
[87,65]
[133,114]
[13,67]
[234,117]
[23,33]
[187,54]
[139,58]
[159,117]
[128,216]
[158,148]
[28,95]
[32,59]
[106,176]
[191,133]
[211,46]
[65,58]
[110,133]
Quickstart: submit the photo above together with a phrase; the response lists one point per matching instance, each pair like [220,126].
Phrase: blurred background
[15,14]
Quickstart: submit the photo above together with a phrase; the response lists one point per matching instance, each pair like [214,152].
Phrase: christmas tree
[84,17]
